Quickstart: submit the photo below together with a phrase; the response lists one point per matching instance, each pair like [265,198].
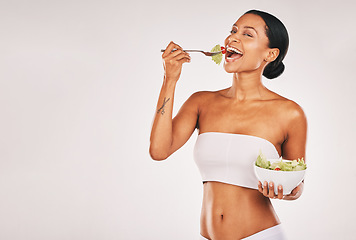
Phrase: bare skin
[247,107]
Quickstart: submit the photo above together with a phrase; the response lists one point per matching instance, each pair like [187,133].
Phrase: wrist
[168,82]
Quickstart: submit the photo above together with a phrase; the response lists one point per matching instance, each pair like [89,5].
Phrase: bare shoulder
[202,97]
[286,106]
[289,111]
[292,110]
[204,94]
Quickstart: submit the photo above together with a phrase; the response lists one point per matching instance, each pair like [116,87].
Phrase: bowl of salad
[288,173]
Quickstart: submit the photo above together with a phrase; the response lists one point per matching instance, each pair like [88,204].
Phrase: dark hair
[278,38]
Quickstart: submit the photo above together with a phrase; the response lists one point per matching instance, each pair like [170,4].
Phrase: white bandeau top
[229,157]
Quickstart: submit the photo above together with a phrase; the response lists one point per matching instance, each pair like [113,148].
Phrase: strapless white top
[229,157]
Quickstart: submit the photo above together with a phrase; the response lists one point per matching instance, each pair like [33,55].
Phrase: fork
[209,54]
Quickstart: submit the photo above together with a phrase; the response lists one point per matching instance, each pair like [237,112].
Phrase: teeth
[231,49]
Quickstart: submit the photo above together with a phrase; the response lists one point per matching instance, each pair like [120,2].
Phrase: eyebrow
[249,27]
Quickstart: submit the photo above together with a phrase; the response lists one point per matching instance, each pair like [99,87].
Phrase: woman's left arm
[293,147]
[295,142]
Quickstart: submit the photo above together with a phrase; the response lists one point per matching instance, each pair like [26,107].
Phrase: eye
[233,31]
[247,34]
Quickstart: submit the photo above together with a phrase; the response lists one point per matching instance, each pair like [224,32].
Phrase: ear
[272,54]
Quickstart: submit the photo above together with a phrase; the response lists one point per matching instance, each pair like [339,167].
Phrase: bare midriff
[233,212]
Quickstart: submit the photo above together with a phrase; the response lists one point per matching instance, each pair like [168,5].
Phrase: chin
[229,68]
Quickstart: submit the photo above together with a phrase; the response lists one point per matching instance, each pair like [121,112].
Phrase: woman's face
[247,45]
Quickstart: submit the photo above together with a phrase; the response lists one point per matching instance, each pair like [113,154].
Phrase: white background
[79,81]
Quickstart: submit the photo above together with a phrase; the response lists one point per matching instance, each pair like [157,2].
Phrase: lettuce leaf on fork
[218,57]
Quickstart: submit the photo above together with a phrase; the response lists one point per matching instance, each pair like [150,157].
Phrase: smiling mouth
[233,54]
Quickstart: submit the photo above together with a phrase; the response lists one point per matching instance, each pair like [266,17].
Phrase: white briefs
[272,233]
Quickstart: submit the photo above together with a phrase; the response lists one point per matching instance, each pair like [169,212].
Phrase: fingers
[280,192]
[170,47]
[178,50]
[184,60]
[295,191]
[177,55]
[260,189]
[267,189]
[271,190]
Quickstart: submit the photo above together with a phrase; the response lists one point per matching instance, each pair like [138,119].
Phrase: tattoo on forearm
[163,105]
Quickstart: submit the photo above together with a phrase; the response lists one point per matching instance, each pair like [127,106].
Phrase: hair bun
[273,70]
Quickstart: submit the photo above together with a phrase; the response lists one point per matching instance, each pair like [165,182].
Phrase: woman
[234,124]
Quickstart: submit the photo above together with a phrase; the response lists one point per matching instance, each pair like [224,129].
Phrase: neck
[246,87]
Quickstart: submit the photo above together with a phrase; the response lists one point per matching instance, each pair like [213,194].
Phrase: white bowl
[288,179]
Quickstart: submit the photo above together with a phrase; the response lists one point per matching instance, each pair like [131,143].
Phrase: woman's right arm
[167,134]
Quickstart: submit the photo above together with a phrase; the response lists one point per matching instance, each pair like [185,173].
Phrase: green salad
[281,164]
[218,57]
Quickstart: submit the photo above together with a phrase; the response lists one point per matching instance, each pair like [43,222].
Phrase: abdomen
[233,212]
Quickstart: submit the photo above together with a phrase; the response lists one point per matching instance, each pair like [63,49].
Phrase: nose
[234,38]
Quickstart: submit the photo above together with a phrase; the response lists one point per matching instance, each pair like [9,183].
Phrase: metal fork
[209,54]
